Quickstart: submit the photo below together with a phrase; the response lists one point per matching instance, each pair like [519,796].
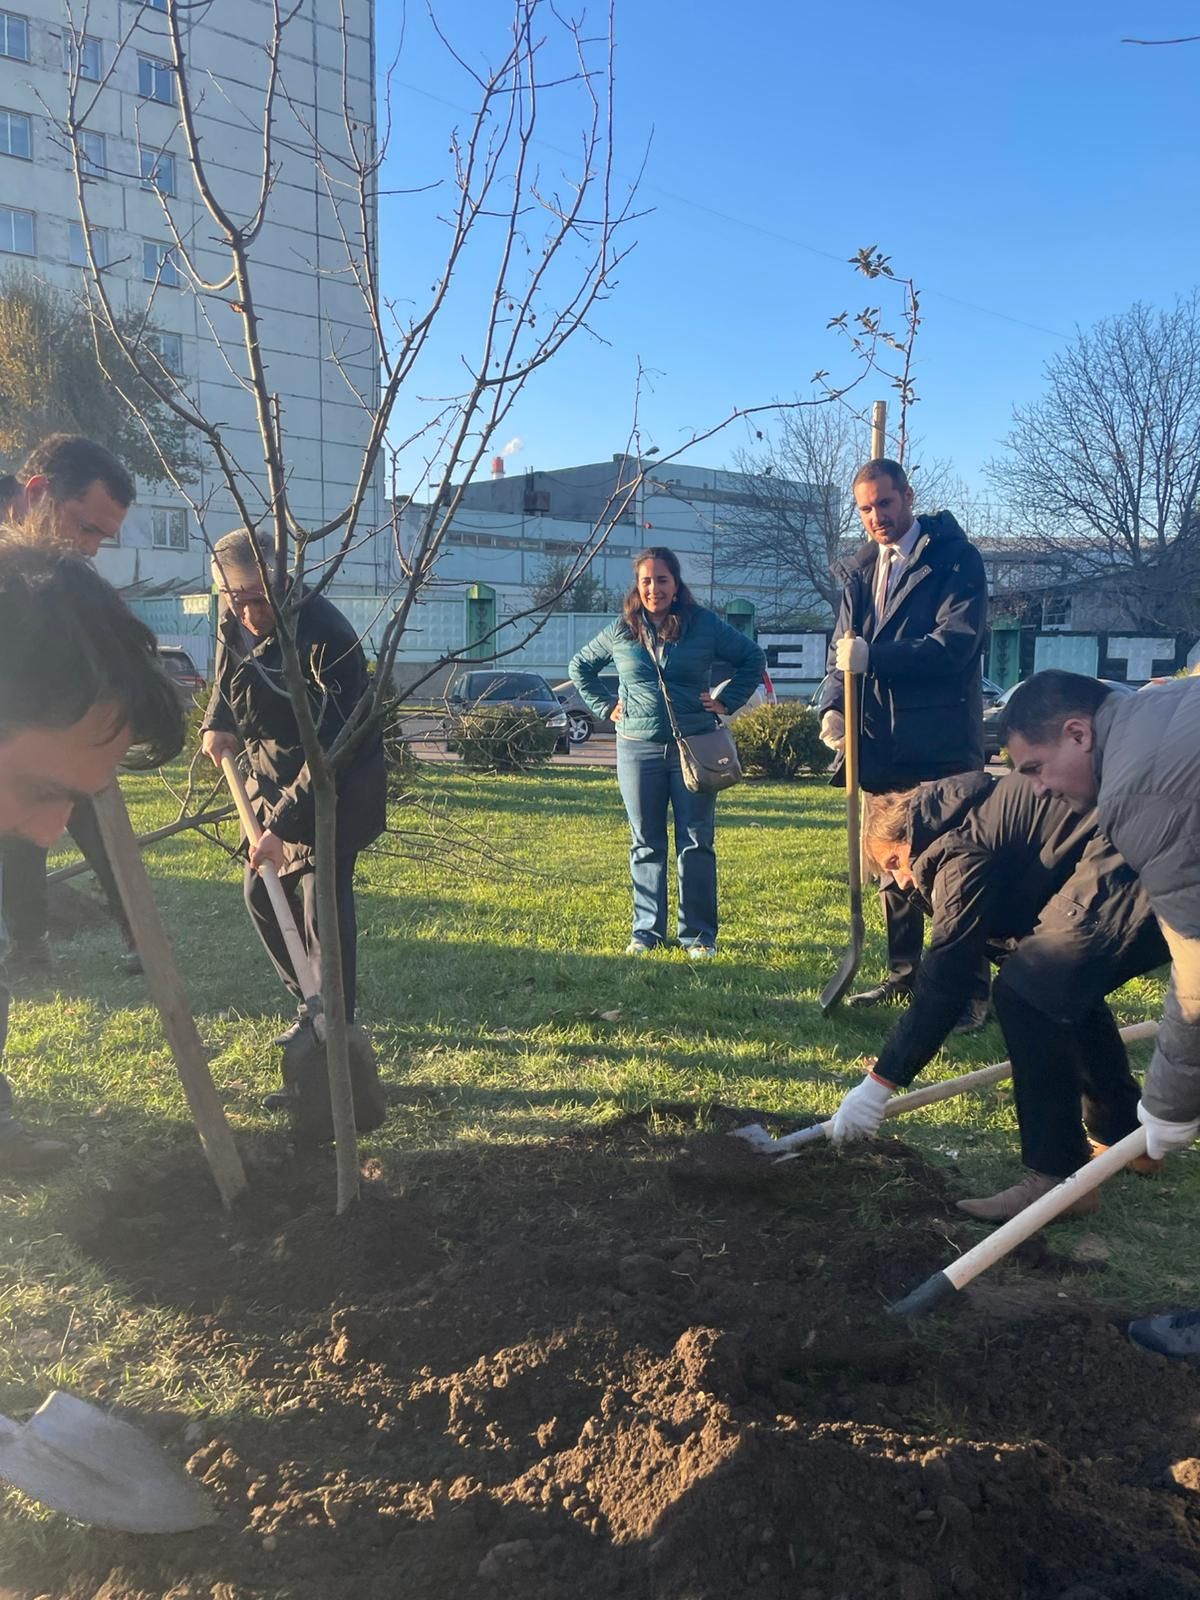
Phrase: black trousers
[905,924]
[300,888]
[904,921]
[25,899]
[1072,1074]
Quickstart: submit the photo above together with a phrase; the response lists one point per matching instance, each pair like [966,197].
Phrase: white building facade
[316,335]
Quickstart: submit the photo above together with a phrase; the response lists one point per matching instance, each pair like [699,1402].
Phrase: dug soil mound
[641,1363]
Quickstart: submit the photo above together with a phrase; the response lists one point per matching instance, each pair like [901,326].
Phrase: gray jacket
[1148,764]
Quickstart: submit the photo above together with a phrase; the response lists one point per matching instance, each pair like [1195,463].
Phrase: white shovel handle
[1090,1176]
[947,1090]
[302,966]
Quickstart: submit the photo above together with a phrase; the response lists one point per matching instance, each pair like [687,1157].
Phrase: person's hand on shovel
[853,654]
[1162,1137]
[217,745]
[861,1112]
[267,851]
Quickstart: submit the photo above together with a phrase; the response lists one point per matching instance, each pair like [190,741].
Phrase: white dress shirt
[890,563]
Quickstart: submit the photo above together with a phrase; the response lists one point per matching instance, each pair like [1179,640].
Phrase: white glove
[1162,1136]
[861,1112]
[833,730]
[852,655]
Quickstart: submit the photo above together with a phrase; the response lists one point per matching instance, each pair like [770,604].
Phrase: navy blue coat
[922,700]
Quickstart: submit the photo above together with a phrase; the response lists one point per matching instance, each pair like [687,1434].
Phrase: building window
[16,231]
[169,528]
[156,80]
[16,135]
[77,255]
[159,264]
[158,171]
[93,154]
[1056,611]
[90,56]
[168,347]
[14,36]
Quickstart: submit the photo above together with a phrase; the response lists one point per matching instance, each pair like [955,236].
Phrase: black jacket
[250,699]
[922,704]
[992,862]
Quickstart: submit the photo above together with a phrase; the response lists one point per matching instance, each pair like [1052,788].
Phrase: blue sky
[1032,173]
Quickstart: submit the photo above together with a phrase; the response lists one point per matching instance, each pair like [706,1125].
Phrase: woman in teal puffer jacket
[661,615]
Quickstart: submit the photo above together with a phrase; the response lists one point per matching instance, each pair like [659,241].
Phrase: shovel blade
[837,986]
[75,1458]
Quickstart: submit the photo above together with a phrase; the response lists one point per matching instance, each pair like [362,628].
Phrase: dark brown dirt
[638,1365]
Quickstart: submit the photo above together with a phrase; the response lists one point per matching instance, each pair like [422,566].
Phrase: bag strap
[666,696]
[675,729]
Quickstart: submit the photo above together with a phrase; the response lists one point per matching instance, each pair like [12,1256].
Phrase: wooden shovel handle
[948,1089]
[1090,1176]
[853,804]
[302,966]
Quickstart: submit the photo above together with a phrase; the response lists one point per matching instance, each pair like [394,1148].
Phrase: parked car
[994,714]
[582,721]
[181,669]
[991,693]
[495,686]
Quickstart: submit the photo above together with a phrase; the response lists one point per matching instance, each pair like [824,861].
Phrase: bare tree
[798,518]
[1103,472]
[547,241]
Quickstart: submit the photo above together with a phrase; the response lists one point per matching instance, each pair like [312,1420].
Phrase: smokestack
[497,466]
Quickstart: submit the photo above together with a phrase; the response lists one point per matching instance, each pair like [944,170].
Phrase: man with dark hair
[74,493]
[68,716]
[911,623]
[250,709]
[1137,759]
[1011,874]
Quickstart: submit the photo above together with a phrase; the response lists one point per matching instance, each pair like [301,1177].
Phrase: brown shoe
[1010,1203]
[1144,1166]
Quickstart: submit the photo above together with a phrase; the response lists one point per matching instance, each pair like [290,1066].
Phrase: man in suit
[911,624]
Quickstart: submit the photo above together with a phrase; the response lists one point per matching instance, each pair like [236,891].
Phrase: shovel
[786,1149]
[988,1251]
[305,1068]
[844,976]
[73,1457]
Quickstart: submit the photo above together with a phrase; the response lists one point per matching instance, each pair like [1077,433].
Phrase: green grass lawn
[494,986]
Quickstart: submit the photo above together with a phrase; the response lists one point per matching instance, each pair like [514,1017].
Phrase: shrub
[781,741]
[502,738]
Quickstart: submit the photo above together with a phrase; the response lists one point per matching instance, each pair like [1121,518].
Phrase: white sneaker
[701,952]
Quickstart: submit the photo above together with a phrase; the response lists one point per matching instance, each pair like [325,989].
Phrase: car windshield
[506,686]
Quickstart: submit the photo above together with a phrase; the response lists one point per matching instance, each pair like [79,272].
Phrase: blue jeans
[650,779]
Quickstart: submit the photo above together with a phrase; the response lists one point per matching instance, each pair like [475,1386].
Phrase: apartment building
[316,335]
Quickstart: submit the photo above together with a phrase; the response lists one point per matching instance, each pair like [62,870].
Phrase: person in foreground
[68,716]
[911,623]
[72,494]
[664,637]
[1022,876]
[250,708]
[1137,759]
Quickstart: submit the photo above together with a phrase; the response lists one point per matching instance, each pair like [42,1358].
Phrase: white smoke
[513,445]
